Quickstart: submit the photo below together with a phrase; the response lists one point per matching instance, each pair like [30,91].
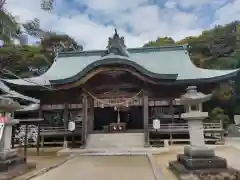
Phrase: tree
[217,114]
[66,41]
[62,42]
[9,28]
[224,92]
[18,59]
[164,41]
[2,2]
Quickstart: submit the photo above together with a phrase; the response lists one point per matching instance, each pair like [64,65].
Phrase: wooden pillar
[25,142]
[39,130]
[13,132]
[85,119]
[13,136]
[172,120]
[145,119]
[91,115]
[65,118]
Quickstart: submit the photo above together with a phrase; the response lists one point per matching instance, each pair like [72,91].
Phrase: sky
[91,22]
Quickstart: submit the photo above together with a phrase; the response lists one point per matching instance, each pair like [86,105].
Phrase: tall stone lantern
[192,101]
[10,161]
[196,156]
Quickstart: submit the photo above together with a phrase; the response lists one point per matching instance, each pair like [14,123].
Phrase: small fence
[179,133]
[37,137]
[184,127]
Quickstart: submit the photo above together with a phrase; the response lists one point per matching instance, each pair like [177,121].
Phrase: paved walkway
[102,168]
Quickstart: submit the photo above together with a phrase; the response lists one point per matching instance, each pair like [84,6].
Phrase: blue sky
[91,22]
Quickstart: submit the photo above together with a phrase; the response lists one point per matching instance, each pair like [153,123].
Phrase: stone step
[13,161]
[115,140]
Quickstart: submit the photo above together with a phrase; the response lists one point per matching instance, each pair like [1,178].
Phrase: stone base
[13,161]
[204,174]
[12,165]
[202,163]
[16,171]
[199,152]
[6,154]
[198,160]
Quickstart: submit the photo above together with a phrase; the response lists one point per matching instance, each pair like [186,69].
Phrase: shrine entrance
[132,117]
[117,102]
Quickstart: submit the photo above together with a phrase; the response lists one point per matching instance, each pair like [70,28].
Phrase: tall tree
[2,2]
[9,28]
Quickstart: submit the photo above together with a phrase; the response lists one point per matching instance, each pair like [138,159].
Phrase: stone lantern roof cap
[192,96]
[8,104]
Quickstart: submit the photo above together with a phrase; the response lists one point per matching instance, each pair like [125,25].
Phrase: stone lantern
[192,101]
[8,157]
[196,156]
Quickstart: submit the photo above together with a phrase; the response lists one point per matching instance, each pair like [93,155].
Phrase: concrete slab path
[102,168]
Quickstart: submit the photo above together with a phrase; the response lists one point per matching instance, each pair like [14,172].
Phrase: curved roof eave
[115,61]
[226,74]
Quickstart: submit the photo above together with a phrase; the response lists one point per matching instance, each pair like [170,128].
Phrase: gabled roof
[168,63]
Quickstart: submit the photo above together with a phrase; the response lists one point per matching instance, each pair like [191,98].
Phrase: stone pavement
[126,166]
[102,168]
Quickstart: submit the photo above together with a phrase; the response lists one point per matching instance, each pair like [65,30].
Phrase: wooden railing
[184,127]
[60,130]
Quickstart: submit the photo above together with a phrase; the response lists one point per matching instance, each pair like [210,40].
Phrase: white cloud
[199,3]
[228,13]
[112,6]
[146,21]
[170,4]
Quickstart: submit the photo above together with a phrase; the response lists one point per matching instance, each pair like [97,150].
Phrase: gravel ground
[45,159]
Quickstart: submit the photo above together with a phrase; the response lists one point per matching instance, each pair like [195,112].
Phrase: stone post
[6,134]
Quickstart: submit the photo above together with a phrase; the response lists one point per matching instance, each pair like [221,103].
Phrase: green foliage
[217,114]
[224,92]
[204,48]
[18,58]
[9,28]
[161,42]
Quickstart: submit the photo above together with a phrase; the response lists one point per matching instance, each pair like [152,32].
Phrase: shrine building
[118,89]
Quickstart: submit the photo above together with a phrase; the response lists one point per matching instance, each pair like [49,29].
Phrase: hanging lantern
[115,108]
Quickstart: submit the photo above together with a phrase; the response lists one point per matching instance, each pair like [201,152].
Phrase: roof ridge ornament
[116,45]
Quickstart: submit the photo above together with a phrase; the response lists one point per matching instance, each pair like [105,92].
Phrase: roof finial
[115,34]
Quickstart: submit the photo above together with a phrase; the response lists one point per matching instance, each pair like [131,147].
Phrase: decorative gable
[116,46]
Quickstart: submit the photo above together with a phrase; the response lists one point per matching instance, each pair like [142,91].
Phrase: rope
[116,104]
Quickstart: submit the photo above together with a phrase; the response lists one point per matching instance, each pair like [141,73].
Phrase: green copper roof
[170,63]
